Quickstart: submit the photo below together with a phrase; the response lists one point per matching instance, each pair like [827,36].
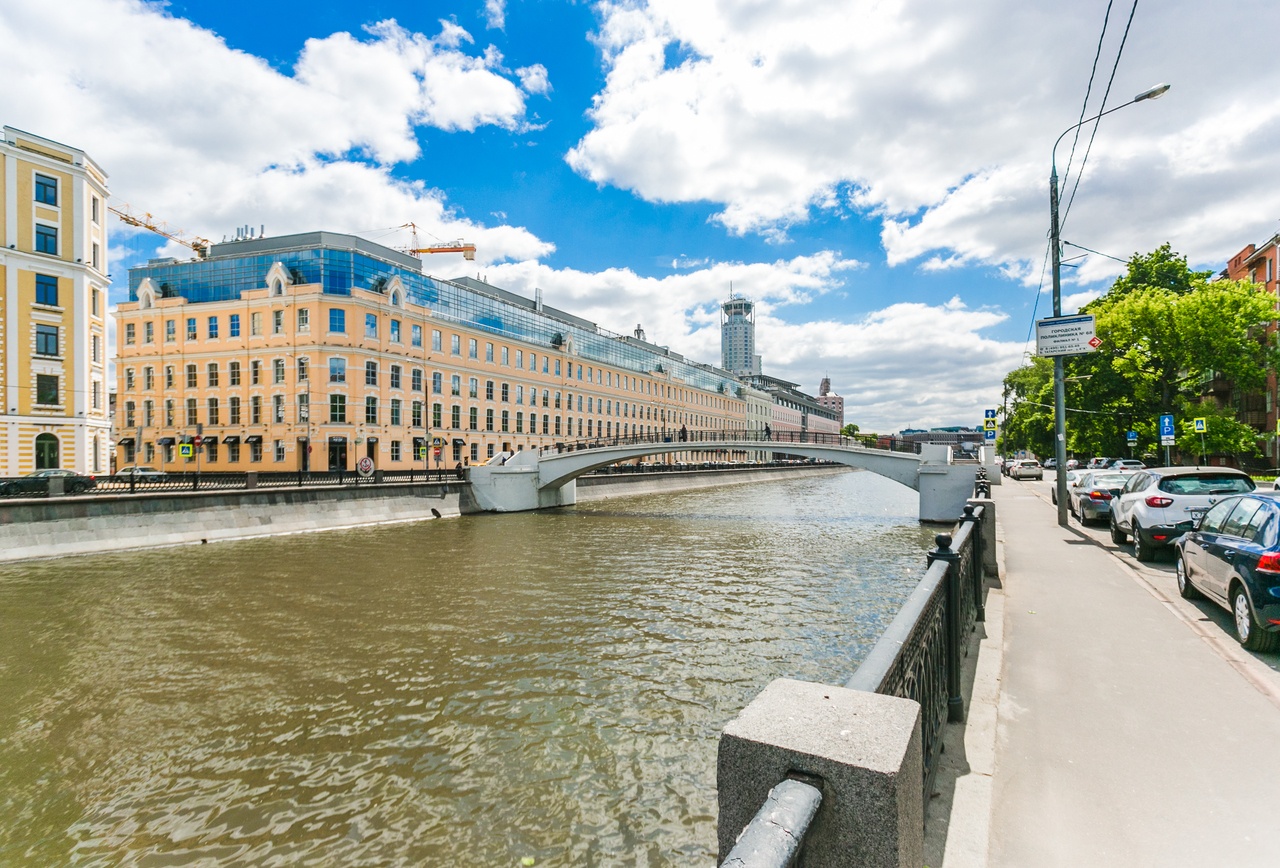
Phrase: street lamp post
[1059,388]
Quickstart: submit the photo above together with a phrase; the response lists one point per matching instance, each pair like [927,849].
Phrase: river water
[476,691]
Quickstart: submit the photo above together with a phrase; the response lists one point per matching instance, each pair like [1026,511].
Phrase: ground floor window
[395,450]
[46,450]
[47,392]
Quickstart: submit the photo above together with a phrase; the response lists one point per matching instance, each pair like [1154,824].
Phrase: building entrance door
[338,453]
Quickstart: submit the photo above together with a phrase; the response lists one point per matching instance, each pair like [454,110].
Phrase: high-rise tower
[738,336]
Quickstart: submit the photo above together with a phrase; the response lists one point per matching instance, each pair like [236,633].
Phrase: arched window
[277,287]
[46,451]
[395,298]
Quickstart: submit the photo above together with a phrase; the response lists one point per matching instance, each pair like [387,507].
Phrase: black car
[38,482]
[1233,558]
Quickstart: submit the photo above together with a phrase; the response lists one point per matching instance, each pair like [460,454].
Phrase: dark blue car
[1233,558]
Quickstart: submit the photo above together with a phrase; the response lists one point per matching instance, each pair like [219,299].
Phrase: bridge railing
[759,440]
[918,658]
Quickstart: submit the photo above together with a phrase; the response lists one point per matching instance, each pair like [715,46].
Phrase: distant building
[957,437]
[738,337]
[793,410]
[53,298]
[830,400]
[1261,265]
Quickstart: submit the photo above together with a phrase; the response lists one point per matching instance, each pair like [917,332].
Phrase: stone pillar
[866,750]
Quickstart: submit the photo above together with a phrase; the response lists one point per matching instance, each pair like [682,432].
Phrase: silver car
[1093,493]
[1026,468]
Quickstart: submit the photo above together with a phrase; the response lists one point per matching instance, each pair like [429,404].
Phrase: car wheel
[1185,588]
[1142,550]
[1248,632]
[1117,535]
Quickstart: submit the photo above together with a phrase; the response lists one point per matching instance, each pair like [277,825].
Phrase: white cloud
[212,137]
[534,79]
[495,13]
[910,364]
[939,118]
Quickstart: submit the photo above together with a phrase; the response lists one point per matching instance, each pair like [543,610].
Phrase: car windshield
[1209,483]
[1108,480]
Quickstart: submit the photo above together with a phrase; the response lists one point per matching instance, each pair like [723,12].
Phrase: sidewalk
[1131,729]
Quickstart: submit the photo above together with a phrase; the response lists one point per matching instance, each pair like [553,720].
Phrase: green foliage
[849,430]
[1165,331]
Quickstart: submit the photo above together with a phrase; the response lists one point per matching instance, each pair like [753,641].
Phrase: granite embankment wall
[60,526]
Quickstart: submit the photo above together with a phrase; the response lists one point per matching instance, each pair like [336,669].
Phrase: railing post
[976,562]
[944,552]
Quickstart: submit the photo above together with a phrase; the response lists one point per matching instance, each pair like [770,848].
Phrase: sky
[872,174]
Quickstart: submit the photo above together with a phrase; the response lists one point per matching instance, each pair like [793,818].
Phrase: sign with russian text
[1066,336]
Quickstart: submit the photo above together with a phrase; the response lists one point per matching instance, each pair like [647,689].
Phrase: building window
[371,373]
[191,377]
[302,369]
[255,372]
[371,410]
[46,340]
[168,412]
[277,322]
[455,345]
[435,340]
[213,327]
[519,358]
[371,325]
[488,390]
[255,410]
[255,326]
[395,412]
[455,416]
[130,334]
[395,376]
[473,348]
[128,379]
[233,373]
[337,370]
[337,408]
[506,393]
[519,423]
[233,411]
[473,388]
[395,450]
[488,352]
[473,420]
[519,394]
[436,413]
[304,320]
[170,330]
[193,412]
[416,418]
[148,378]
[337,320]
[46,452]
[191,328]
[213,375]
[395,331]
[277,408]
[233,452]
[304,407]
[506,420]
[148,413]
[46,239]
[437,383]
[277,371]
[148,333]
[213,412]
[416,331]
[488,420]
[455,385]
[506,356]
[46,290]
[46,190]
[129,420]
[255,450]
[233,327]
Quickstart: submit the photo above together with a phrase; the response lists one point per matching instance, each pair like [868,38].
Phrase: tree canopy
[1166,332]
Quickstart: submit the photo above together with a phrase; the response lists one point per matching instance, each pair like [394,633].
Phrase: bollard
[955,701]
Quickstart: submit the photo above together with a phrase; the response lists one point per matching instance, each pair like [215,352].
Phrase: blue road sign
[989,435]
[1132,437]
[988,414]
[1166,426]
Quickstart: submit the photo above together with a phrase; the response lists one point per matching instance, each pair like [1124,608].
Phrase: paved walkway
[1130,728]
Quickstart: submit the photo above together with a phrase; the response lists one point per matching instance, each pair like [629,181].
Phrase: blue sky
[872,174]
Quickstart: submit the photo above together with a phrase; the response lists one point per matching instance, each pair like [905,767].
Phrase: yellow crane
[200,246]
[467,250]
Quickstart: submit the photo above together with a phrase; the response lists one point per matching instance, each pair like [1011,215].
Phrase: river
[478,691]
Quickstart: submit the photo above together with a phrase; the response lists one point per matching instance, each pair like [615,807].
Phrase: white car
[1160,504]
[1026,468]
[140,473]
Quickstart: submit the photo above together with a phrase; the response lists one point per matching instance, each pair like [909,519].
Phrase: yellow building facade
[312,352]
[53,300]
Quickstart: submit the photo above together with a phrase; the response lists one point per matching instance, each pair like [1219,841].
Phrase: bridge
[539,479]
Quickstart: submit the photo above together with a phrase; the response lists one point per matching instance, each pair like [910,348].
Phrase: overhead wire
[1088,91]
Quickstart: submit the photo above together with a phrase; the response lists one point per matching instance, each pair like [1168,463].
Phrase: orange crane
[467,250]
[145,221]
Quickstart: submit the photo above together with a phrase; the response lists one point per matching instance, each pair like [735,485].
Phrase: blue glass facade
[228,273]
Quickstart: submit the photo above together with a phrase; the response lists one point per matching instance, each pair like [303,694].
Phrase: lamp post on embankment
[1055,245]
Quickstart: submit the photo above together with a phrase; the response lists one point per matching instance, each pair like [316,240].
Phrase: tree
[1028,402]
[849,430]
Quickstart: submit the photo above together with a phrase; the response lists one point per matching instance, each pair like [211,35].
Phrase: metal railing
[776,441]
[23,487]
[919,657]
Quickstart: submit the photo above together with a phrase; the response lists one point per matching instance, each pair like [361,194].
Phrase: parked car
[1091,497]
[1126,464]
[1026,468]
[1159,504]
[1073,464]
[38,482]
[1072,477]
[1098,462]
[140,473]
[1050,464]
[1233,558]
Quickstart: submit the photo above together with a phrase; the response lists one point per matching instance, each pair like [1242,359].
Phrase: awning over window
[231,439]
[125,441]
[419,441]
[165,441]
[207,439]
[458,441]
[337,439]
[253,438]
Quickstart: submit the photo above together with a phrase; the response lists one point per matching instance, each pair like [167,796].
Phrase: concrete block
[866,748]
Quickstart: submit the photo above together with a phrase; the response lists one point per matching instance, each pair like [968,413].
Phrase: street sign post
[1167,434]
[1201,426]
[1066,336]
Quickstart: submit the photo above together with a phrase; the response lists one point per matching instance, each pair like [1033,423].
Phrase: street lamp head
[1152,93]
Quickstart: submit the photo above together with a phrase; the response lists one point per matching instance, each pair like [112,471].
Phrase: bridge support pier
[944,487]
[512,486]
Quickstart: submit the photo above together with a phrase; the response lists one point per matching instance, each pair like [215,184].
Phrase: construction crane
[467,250]
[199,245]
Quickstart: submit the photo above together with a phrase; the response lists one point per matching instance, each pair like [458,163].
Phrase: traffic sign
[989,424]
[1200,425]
[365,467]
[1132,437]
[1066,336]
[989,434]
[988,414]
[1167,432]
[184,449]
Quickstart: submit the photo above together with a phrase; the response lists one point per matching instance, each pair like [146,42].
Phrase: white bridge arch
[534,479]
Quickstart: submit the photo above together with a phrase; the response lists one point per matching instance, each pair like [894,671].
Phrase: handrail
[773,837]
